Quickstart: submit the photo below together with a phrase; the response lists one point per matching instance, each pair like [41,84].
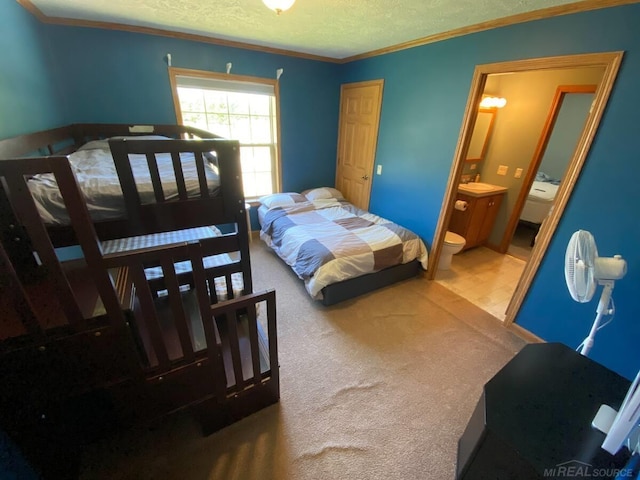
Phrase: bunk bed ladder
[215,359]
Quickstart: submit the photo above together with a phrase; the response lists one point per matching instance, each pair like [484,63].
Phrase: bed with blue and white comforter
[330,240]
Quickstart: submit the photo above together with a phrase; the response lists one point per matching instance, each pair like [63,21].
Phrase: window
[243,110]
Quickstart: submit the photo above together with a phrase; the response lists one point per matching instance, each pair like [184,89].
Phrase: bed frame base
[354,287]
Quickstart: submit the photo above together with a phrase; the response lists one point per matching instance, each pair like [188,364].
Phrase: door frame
[610,61]
[536,160]
[378,82]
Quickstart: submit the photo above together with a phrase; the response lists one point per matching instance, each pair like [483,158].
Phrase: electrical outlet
[473,166]
[518,173]
[379,170]
[503,169]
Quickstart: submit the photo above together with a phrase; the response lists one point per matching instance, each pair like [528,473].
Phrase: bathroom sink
[478,187]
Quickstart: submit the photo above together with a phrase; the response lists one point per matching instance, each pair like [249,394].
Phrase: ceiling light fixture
[493,102]
[279,6]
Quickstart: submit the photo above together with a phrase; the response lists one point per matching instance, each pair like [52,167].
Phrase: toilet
[453,243]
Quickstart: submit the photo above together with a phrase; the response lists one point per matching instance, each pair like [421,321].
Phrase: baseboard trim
[524,333]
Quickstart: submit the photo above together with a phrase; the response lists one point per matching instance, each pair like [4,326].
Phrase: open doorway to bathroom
[565,121]
[522,133]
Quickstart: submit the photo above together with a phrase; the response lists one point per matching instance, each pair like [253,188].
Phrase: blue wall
[29,100]
[426,89]
[122,77]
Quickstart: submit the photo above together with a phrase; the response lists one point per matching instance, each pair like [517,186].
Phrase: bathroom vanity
[482,205]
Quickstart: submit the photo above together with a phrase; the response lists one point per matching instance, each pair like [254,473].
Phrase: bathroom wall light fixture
[493,102]
[279,6]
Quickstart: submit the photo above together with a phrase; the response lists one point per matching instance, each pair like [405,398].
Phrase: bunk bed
[123,185]
[156,315]
[339,250]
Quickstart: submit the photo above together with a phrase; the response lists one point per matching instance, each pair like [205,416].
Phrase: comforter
[96,175]
[328,241]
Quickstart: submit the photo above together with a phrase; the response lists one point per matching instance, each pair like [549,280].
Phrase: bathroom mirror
[481,135]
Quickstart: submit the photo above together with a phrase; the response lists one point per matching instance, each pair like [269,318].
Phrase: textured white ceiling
[329,28]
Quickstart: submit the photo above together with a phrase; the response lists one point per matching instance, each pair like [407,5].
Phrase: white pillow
[281,199]
[323,193]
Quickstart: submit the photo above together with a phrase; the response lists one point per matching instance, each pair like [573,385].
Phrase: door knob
[365,177]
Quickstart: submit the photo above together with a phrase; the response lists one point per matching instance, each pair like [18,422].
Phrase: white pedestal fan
[584,271]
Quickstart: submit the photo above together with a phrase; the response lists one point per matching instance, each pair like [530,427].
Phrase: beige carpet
[379,387]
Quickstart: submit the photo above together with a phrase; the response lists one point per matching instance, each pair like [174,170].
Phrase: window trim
[174,73]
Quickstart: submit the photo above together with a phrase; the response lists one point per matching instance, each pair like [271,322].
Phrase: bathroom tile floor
[484,277]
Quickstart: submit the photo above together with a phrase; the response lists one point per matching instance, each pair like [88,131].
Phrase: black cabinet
[533,420]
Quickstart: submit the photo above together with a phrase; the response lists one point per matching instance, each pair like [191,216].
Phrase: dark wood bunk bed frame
[87,345]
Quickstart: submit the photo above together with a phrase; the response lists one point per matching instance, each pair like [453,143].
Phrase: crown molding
[576,7]
[73,22]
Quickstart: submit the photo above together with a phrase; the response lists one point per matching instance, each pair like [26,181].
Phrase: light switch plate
[518,173]
[379,170]
[503,169]
[473,166]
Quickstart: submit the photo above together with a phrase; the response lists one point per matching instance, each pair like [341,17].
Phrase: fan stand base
[604,418]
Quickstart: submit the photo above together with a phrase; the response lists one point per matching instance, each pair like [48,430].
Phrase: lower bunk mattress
[326,241]
[181,236]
